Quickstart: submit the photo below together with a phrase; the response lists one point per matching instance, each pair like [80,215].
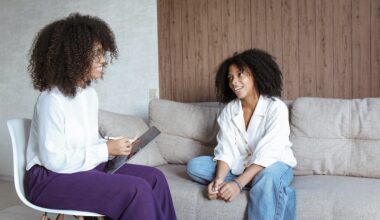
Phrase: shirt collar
[261,106]
[260,110]
[237,111]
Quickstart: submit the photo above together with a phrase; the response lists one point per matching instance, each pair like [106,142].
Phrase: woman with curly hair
[66,158]
[253,150]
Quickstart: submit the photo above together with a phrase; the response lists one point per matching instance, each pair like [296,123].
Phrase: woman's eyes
[239,75]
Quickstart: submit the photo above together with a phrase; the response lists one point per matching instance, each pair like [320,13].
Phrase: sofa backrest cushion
[336,136]
[114,125]
[187,130]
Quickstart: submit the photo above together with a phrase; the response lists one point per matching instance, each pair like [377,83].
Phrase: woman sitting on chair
[66,159]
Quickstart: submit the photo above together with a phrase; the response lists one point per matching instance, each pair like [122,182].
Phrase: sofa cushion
[318,197]
[190,200]
[113,124]
[336,136]
[188,130]
[337,197]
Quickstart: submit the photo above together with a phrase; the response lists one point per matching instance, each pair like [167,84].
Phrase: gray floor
[11,207]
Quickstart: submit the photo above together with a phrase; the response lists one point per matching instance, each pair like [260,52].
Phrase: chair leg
[60,217]
[44,216]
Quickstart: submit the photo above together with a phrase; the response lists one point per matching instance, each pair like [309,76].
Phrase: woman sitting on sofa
[253,150]
[66,159]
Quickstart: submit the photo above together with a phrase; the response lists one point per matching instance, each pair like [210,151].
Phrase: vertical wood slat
[215,42]
[290,49]
[164,55]
[229,28]
[307,48]
[176,73]
[361,53]
[188,45]
[342,49]
[243,25]
[258,12]
[201,50]
[274,30]
[324,48]
[375,47]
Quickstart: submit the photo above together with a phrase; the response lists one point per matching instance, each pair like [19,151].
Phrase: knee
[156,177]
[142,187]
[266,179]
[191,166]
[158,174]
[195,165]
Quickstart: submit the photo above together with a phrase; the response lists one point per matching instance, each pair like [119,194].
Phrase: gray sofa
[336,143]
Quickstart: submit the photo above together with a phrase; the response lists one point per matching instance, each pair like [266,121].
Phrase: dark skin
[242,84]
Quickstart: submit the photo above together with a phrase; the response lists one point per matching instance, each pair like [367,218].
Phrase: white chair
[19,132]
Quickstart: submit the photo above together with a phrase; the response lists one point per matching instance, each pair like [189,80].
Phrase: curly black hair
[265,71]
[61,54]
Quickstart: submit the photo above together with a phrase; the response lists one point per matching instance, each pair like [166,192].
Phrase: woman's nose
[102,59]
[234,81]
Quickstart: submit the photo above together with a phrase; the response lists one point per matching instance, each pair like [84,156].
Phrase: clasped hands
[120,146]
[218,189]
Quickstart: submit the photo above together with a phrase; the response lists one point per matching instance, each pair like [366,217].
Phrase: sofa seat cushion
[318,197]
[337,197]
[191,203]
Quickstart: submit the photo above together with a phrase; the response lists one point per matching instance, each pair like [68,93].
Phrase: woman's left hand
[229,191]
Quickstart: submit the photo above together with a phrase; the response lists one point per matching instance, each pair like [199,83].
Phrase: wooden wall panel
[215,42]
[325,48]
[165,55]
[188,52]
[201,50]
[342,49]
[361,53]
[229,35]
[244,30]
[375,47]
[176,51]
[259,24]
[274,30]
[307,50]
[290,53]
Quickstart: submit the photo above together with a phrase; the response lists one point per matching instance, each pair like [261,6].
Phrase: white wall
[126,84]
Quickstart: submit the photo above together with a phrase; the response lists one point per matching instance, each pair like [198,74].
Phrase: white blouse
[265,142]
[64,134]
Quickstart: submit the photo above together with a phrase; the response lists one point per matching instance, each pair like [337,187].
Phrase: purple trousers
[133,192]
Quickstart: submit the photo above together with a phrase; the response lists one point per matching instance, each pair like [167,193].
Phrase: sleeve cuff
[98,153]
[225,159]
[262,162]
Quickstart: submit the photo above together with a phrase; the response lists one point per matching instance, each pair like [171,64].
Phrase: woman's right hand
[120,147]
[214,187]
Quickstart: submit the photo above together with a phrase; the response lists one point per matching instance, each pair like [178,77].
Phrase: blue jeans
[270,195]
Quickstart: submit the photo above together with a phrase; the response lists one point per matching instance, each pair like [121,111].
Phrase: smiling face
[98,61]
[241,83]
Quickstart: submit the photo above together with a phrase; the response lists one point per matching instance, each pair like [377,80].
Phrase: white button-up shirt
[265,142]
[64,135]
